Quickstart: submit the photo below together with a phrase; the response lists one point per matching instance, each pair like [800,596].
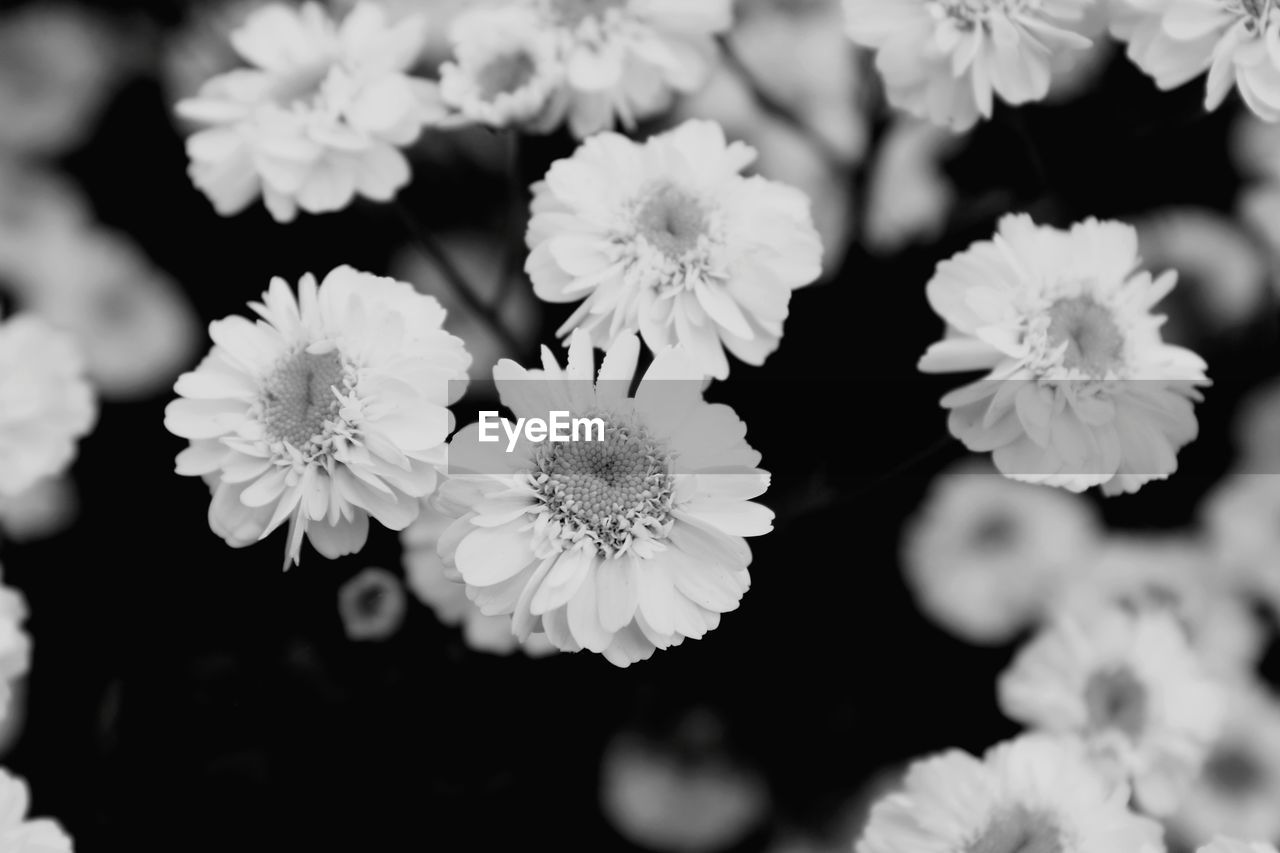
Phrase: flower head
[17,833]
[328,410]
[371,605]
[667,238]
[1081,389]
[15,645]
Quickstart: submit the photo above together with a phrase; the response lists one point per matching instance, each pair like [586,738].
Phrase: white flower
[1231,845]
[15,646]
[46,405]
[946,60]
[909,197]
[371,605]
[18,834]
[1081,390]
[986,555]
[622,546]
[1131,687]
[1236,41]
[625,60]
[1034,793]
[1257,430]
[44,510]
[1239,516]
[667,238]
[330,409]
[318,120]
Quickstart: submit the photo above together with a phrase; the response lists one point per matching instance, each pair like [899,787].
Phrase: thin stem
[517,201]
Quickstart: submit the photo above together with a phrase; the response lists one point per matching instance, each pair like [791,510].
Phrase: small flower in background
[45,509]
[447,599]
[330,409]
[1175,42]
[1257,430]
[1032,793]
[1129,684]
[23,835]
[985,556]
[15,646]
[1081,389]
[371,605]
[947,60]
[621,547]
[667,238]
[1231,845]
[909,197]
[320,117]
[46,404]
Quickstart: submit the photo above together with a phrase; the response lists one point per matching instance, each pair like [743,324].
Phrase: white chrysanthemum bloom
[332,408]
[668,238]
[1081,389]
[620,546]
[947,60]
[46,404]
[20,834]
[1232,845]
[320,117]
[626,60]
[986,556]
[1132,687]
[1034,793]
[1236,41]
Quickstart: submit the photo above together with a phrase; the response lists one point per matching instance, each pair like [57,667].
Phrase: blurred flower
[946,60]
[371,605]
[620,547]
[909,197]
[669,239]
[1239,515]
[1076,71]
[985,556]
[46,405]
[15,647]
[45,509]
[448,598]
[318,120]
[1256,430]
[330,409]
[1174,42]
[17,833]
[1033,793]
[1129,684]
[1231,845]
[1081,391]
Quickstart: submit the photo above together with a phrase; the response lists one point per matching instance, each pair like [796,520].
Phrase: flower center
[611,491]
[1116,700]
[570,13]
[995,532]
[671,220]
[1234,770]
[969,13]
[1018,830]
[505,73]
[1094,341]
[298,398]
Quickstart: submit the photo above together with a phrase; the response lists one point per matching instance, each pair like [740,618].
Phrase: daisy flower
[1130,685]
[371,605]
[17,832]
[1081,389]
[46,404]
[318,119]
[947,60]
[620,545]
[329,409]
[1034,793]
[1174,41]
[667,238]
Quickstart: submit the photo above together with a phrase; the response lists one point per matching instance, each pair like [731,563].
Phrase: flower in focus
[15,646]
[1032,793]
[320,117]
[1081,389]
[1130,685]
[17,832]
[1174,41]
[667,238]
[620,546]
[44,510]
[947,60]
[330,409]
[371,605]
[986,555]
[46,404]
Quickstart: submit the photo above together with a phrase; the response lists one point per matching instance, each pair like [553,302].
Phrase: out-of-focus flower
[1130,685]
[947,60]
[1081,389]
[620,546]
[1032,793]
[1231,845]
[1257,430]
[668,238]
[1075,71]
[448,598]
[1174,41]
[908,197]
[15,645]
[986,556]
[1239,516]
[45,509]
[330,409]
[23,835]
[320,117]
[46,405]
[371,605]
